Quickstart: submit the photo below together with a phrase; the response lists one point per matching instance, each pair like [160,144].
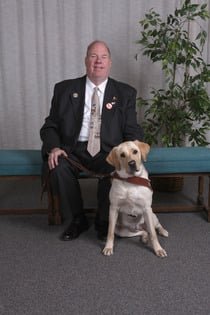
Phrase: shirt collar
[101,86]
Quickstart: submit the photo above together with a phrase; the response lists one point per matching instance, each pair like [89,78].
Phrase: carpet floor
[40,274]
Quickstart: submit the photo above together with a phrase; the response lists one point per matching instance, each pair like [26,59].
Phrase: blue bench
[22,164]
[161,162]
[183,162]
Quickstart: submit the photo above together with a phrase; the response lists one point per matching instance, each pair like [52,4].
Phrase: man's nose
[98,59]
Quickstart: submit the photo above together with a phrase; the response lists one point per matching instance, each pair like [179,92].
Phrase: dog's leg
[148,215]
[113,215]
[159,227]
[144,237]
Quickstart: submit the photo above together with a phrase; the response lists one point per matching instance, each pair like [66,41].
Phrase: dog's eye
[122,155]
[135,151]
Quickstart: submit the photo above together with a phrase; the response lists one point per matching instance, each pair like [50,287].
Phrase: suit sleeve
[132,130]
[49,132]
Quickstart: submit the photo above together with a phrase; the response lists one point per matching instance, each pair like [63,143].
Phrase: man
[66,133]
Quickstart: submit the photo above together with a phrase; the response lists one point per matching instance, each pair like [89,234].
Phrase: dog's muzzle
[132,166]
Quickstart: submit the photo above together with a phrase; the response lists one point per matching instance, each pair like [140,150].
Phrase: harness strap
[134,180]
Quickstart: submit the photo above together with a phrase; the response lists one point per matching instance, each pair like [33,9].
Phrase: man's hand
[53,157]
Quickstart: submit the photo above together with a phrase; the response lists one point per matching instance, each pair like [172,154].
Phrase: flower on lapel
[109,106]
[112,103]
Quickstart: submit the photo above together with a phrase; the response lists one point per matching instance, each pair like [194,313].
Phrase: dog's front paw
[107,251]
[161,252]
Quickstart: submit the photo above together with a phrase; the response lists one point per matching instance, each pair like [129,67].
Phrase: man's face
[98,63]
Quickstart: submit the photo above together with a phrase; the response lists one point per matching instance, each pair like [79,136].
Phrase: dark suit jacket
[62,126]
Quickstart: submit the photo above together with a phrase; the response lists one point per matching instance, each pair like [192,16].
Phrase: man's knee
[64,168]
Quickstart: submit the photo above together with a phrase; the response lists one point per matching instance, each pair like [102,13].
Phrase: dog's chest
[131,199]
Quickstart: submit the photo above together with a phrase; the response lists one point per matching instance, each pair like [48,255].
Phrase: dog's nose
[132,164]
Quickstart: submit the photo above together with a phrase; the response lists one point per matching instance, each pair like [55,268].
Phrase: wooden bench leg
[54,214]
[200,198]
[208,206]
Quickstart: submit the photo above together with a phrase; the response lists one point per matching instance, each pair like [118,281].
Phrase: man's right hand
[53,157]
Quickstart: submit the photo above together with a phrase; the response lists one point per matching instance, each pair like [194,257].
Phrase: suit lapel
[111,108]
[110,103]
[77,100]
[77,96]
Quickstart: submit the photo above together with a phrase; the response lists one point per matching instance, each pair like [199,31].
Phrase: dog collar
[134,180]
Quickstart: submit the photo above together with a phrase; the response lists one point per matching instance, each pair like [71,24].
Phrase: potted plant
[179,111]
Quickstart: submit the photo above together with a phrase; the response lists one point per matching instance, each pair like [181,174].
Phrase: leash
[85,170]
[78,166]
[134,180]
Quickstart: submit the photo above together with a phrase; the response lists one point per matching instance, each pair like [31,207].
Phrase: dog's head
[128,155]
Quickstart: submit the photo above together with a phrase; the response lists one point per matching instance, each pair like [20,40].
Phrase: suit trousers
[64,183]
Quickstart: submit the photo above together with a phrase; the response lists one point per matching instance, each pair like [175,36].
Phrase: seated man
[75,129]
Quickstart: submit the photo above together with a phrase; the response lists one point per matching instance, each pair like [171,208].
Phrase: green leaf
[171,113]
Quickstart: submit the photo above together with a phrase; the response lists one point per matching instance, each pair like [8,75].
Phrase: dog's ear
[113,159]
[144,148]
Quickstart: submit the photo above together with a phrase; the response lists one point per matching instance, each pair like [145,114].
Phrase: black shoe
[75,229]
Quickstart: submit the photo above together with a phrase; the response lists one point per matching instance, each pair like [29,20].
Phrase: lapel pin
[75,95]
[109,106]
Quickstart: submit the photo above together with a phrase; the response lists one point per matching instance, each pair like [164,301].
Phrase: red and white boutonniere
[109,106]
[112,103]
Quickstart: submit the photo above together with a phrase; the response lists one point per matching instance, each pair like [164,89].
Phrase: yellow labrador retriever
[131,198]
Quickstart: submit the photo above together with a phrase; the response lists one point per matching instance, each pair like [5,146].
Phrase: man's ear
[113,159]
[144,148]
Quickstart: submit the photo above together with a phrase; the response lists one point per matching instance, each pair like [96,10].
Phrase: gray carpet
[42,275]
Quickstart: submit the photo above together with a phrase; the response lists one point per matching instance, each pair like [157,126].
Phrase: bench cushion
[178,160]
[23,163]
[20,162]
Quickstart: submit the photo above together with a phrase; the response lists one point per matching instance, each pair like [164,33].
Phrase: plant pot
[167,184]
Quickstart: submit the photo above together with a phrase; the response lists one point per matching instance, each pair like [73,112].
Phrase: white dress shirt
[89,89]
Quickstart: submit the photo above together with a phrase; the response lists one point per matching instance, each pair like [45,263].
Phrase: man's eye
[122,155]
